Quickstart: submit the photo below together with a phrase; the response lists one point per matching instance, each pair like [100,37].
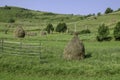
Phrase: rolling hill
[32,19]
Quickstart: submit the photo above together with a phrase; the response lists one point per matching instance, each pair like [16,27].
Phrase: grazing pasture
[39,56]
[102,61]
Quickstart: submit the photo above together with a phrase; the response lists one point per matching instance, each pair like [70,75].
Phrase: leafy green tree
[108,10]
[118,9]
[61,27]
[49,28]
[98,14]
[103,33]
[7,7]
[117,31]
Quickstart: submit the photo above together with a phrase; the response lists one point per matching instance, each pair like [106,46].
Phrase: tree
[61,27]
[117,31]
[108,10]
[118,9]
[7,7]
[103,32]
[98,14]
[49,28]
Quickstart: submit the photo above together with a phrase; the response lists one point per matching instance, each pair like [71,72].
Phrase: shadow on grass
[88,55]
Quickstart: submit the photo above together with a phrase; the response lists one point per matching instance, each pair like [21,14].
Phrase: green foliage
[103,33]
[117,31]
[49,28]
[99,14]
[7,7]
[49,13]
[11,20]
[108,10]
[24,14]
[61,27]
[118,9]
[86,31]
[98,66]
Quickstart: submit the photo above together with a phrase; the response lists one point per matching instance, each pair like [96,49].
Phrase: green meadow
[102,61]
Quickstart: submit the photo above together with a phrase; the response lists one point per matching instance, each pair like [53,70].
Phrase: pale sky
[65,6]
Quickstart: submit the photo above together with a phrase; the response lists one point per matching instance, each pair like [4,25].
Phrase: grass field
[102,60]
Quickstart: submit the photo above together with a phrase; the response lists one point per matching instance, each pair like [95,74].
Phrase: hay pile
[74,50]
[19,32]
[43,33]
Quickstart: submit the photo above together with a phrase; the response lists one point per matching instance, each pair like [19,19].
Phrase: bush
[103,33]
[7,7]
[11,20]
[49,28]
[86,31]
[117,31]
[61,27]
[98,14]
[108,10]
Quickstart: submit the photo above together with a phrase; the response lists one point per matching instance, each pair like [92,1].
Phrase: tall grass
[101,62]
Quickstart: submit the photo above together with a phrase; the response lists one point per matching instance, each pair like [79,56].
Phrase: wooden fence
[19,48]
[41,50]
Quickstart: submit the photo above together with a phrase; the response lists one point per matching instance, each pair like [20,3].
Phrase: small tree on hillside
[108,10]
[99,14]
[117,31]
[61,27]
[49,28]
[103,32]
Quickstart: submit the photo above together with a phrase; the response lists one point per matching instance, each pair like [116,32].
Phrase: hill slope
[37,19]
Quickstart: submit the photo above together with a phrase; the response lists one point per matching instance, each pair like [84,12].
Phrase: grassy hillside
[38,19]
[102,60]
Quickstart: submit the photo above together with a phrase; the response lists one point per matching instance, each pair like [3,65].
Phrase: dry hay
[43,33]
[74,50]
[19,32]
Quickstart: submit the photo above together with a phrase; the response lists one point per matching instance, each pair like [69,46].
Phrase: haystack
[19,32]
[74,50]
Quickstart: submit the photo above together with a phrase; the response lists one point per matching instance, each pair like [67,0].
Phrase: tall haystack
[19,32]
[74,50]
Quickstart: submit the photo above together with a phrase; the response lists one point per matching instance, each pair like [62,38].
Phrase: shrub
[86,31]
[61,27]
[7,7]
[49,28]
[11,20]
[98,14]
[103,33]
[108,10]
[117,31]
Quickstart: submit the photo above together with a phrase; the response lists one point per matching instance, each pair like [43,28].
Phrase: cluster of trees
[61,27]
[107,11]
[104,33]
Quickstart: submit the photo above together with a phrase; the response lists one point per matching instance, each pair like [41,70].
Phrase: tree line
[61,27]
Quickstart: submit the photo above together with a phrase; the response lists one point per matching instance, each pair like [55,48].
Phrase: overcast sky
[65,6]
